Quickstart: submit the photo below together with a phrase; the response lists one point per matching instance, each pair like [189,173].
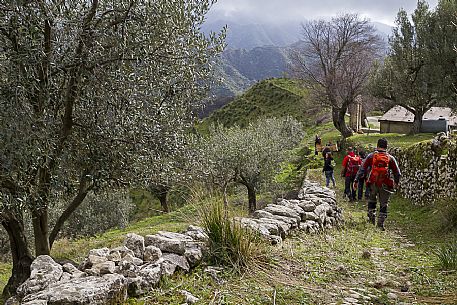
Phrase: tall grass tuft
[229,243]
[447,256]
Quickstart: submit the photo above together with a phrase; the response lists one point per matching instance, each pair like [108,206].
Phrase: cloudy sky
[297,10]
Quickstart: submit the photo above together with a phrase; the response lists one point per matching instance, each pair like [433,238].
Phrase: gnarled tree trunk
[339,123]
[417,123]
[22,258]
[161,192]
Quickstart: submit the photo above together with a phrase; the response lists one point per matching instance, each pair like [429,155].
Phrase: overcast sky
[383,11]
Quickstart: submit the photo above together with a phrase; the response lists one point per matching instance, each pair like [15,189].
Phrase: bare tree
[334,60]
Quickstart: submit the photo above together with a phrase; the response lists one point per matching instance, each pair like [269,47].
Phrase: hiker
[360,182]
[317,142]
[380,167]
[351,165]
[329,165]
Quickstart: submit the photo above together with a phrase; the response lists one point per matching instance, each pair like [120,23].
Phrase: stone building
[400,120]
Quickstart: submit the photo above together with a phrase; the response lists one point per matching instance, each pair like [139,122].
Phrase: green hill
[270,98]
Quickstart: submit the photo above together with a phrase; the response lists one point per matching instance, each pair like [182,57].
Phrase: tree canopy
[249,156]
[88,90]
[420,69]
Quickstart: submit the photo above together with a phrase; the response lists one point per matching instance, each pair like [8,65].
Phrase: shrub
[447,256]
[229,243]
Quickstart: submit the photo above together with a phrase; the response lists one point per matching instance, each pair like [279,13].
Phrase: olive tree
[334,60]
[88,90]
[420,69]
[250,156]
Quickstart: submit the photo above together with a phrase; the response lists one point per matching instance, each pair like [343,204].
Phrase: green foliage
[268,98]
[94,96]
[419,70]
[229,243]
[447,256]
[251,156]
[98,214]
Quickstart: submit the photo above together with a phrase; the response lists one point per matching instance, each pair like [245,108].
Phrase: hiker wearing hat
[380,166]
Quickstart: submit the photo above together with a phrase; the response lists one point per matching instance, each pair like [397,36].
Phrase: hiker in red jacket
[380,166]
[351,165]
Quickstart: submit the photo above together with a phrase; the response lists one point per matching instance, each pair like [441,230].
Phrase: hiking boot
[381,218]
[372,216]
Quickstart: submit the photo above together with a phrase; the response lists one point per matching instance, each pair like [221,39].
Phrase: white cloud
[383,11]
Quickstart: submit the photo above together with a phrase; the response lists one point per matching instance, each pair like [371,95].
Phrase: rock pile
[109,276]
[313,211]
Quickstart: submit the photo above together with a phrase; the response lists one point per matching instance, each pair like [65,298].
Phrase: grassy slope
[268,98]
[323,268]
[310,269]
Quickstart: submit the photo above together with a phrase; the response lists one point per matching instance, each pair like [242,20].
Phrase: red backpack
[353,165]
[379,174]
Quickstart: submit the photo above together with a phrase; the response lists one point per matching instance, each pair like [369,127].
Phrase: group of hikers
[378,171]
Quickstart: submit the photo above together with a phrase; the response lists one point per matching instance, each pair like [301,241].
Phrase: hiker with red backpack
[351,165]
[380,166]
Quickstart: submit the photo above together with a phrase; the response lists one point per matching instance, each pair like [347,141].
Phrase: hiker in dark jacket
[380,166]
[329,165]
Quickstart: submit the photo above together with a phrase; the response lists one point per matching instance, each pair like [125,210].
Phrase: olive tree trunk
[22,258]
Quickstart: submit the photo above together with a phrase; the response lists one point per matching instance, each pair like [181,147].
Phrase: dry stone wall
[428,169]
[313,211]
[110,276]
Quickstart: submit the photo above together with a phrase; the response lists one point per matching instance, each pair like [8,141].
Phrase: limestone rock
[282,211]
[197,233]
[109,289]
[171,261]
[307,206]
[135,243]
[264,214]
[44,272]
[73,271]
[193,254]
[152,254]
[132,259]
[292,204]
[102,252]
[169,242]
[283,227]
[148,277]
[122,251]
[190,299]
[127,269]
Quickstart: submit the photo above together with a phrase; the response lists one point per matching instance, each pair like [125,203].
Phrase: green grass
[268,98]
[175,221]
[394,139]
[5,273]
